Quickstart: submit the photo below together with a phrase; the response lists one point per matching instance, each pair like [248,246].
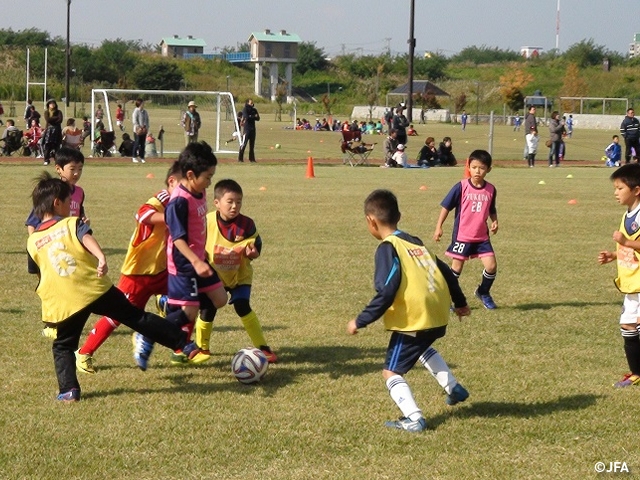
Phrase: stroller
[13,143]
[105,144]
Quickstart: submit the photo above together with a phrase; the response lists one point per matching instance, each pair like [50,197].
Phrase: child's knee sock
[487,282]
[203,333]
[99,333]
[632,349]
[436,365]
[254,329]
[401,394]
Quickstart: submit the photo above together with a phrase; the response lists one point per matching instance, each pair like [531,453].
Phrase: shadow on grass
[293,363]
[549,306]
[13,311]
[517,410]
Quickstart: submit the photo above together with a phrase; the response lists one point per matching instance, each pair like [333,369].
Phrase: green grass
[539,369]
[586,145]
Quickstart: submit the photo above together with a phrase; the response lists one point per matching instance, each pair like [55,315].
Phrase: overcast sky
[366,27]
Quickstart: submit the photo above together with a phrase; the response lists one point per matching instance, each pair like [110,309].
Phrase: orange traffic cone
[467,172]
[310,173]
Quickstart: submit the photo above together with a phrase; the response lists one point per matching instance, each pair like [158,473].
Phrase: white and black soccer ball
[249,365]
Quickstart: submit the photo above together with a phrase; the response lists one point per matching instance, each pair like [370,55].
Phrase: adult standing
[52,138]
[250,116]
[27,112]
[191,123]
[556,129]
[630,131]
[400,124]
[530,131]
[140,120]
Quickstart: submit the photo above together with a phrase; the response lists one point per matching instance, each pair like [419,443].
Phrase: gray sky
[339,26]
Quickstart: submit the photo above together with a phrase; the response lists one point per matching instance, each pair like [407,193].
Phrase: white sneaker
[142,160]
[40,156]
[134,160]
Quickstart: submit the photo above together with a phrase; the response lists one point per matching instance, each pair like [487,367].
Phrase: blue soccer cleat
[142,348]
[72,395]
[486,300]
[457,395]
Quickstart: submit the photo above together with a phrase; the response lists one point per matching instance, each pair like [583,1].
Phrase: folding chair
[13,143]
[354,150]
[73,141]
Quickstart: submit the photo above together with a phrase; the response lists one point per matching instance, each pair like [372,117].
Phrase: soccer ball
[278,145]
[249,365]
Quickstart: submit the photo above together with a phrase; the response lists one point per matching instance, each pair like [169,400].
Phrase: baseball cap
[400,146]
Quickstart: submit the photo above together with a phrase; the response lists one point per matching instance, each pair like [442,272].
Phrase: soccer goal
[166,107]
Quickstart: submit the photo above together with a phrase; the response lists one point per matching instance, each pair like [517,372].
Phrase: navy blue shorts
[468,250]
[405,349]
[184,290]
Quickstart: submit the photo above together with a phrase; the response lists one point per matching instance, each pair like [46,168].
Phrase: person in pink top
[474,201]
[189,272]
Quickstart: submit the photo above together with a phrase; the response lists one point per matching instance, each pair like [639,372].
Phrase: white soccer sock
[436,365]
[401,394]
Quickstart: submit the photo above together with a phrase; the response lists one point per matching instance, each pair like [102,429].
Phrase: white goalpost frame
[104,94]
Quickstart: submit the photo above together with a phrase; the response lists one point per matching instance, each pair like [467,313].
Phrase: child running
[143,274]
[189,273]
[474,200]
[73,283]
[414,294]
[626,189]
[232,243]
[69,163]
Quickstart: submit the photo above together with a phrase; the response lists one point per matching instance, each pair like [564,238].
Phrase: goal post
[166,107]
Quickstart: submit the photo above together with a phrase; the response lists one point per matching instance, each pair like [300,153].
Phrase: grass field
[586,145]
[539,369]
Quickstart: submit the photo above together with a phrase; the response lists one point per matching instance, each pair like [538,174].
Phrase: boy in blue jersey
[414,294]
[73,283]
[190,275]
[626,189]
[613,152]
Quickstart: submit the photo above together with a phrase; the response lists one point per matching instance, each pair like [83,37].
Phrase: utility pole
[67,67]
[558,28]
[412,47]
[388,40]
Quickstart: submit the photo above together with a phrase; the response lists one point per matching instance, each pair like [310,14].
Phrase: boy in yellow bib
[414,294]
[626,188]
[232,244]
[73,283]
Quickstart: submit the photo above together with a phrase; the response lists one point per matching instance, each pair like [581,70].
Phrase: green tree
[484,54]
[30,37]
[115,59]
[310,57]
[156,75]
[585,53]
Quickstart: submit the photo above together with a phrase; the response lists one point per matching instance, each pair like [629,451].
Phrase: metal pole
[412,46]
[491,133]
[67,66]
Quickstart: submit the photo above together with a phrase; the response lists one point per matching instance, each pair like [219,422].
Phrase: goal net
[166,107]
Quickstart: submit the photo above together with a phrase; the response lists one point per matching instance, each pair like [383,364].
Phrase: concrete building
[634,47]
[178,47]
[270,49]
[531,52]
